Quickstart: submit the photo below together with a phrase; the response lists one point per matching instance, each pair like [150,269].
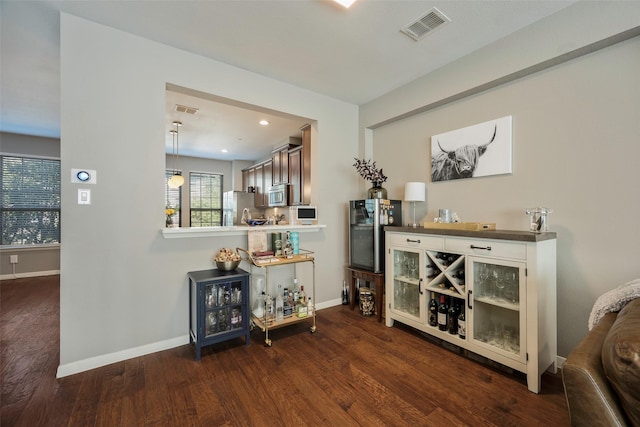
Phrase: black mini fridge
[367,219]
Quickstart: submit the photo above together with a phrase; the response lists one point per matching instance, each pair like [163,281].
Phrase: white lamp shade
[175,181]
[414,191]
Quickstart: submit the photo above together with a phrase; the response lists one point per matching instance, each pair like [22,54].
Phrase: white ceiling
[355,54]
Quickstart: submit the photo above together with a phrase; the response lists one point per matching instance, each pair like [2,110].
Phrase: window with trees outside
[30,207]
[173,198]
[205,194]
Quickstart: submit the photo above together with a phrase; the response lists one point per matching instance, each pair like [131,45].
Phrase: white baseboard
[107,359]
[29,274]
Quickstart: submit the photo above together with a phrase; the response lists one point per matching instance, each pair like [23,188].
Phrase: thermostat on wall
[83,176]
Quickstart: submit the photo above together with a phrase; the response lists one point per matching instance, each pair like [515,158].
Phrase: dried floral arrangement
[368,170]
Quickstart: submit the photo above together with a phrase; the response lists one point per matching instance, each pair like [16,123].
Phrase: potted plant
[368,170]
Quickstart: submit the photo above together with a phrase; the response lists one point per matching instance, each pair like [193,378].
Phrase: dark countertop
[522,236]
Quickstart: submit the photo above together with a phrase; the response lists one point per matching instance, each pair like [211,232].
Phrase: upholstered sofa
[601,375]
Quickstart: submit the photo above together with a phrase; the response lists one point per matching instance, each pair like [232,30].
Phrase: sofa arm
[590,398]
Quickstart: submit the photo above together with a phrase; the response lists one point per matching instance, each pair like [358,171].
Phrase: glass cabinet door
[407,296]
[223,307]
[498,303]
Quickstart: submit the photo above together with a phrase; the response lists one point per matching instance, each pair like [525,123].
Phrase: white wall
[123,286]
[575,150]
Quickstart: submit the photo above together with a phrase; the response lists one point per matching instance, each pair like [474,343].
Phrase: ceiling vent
[426,24]
[185,109]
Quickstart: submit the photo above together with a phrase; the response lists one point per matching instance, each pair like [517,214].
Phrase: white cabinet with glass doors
[504,282]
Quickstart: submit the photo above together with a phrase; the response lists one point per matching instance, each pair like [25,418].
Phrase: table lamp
[414,192]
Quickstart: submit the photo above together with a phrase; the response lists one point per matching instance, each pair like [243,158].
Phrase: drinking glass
[500,282]
[413,267]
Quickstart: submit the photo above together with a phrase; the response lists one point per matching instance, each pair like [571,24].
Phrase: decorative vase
[377,192]
[169,221]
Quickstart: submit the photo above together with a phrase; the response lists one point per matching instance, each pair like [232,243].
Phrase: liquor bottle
[302,296]
[452,318]
[288,308]
[309,307]
[296,292]
[442,314]
[462,324]
[287,246]
[345,295]
[433,310]
[279,305]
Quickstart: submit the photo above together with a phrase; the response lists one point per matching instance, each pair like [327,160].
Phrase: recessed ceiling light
[224,150]
[345,3]
[264,122]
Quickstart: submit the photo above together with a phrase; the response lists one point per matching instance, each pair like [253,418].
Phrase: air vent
[185,109]
[426,24]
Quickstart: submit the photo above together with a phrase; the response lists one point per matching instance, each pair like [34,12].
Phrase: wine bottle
[452,318]
[279,305]
[462,323]
[345,295]
[433,310]
[442,314]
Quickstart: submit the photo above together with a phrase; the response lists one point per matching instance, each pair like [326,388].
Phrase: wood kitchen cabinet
[280,158]
[248,178]
[263,180]
[300,170]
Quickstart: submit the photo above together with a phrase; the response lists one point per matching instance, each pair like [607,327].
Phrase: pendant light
[176,179]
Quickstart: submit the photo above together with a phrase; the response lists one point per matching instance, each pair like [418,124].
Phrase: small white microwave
[303,215]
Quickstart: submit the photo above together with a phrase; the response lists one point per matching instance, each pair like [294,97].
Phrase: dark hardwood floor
[352,371]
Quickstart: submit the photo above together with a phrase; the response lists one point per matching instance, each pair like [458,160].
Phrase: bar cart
[265,323]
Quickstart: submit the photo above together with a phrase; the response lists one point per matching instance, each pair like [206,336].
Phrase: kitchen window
[30,194]
[205,198]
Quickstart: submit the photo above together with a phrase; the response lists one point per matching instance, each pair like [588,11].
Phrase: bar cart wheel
[313,329]
[267,343]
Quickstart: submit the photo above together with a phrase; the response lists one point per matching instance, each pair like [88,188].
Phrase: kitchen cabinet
[260,177]
[504,281]
[248,178]
[300,170]
[218,307]
[280,158]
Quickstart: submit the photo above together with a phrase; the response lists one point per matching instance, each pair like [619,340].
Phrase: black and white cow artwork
[458,163]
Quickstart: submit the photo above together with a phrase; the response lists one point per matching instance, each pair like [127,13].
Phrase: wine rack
[443,273]
[504,282]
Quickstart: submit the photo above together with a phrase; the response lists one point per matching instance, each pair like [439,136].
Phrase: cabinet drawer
[415,241]
[493,248]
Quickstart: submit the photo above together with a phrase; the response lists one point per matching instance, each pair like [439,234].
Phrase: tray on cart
[304,255]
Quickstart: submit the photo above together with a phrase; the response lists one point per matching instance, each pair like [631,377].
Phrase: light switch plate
[84,196]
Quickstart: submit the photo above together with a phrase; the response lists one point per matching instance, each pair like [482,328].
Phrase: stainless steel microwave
[278,195]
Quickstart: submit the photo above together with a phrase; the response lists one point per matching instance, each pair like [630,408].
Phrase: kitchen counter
[236,230]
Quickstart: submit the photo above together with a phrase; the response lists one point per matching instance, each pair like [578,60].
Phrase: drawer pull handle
[413,241]
[486,248]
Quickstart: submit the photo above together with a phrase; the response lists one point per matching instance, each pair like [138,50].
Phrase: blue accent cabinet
[218,307]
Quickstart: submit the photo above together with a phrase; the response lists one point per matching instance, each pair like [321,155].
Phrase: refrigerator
[233,203]
[367,219]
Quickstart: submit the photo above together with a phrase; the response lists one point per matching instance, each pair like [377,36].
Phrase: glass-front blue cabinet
[218,307]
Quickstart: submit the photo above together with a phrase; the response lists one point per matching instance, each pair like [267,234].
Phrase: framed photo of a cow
[479,150]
